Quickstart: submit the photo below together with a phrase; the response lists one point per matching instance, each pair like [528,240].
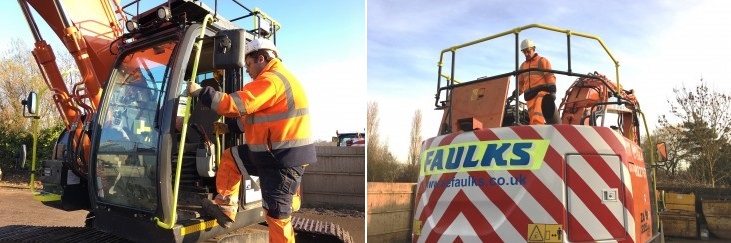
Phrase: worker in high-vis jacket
[275,119]
[538,87]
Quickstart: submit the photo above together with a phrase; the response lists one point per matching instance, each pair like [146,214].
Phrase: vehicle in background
[349,138]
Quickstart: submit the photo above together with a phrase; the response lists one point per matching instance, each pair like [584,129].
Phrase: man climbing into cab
[273,112]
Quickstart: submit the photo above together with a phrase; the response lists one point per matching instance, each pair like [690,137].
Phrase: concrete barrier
[337,180]
[390,211]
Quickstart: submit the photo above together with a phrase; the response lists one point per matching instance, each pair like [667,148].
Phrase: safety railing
[451,83]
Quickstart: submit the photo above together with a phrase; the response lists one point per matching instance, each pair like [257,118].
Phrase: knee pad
[278,188]
[548,106]
[278,208]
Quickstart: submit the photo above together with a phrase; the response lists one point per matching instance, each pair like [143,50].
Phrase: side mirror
[21,156]
[30,103]
[229,48]
[661,152]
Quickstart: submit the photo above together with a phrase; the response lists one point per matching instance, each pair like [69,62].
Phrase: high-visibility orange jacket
[535,79]
[274,115]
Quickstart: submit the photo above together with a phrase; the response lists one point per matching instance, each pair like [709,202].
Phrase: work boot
[217,211]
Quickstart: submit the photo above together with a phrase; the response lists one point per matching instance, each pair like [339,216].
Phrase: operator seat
[203,116]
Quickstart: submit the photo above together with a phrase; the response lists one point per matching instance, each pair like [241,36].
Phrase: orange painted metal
[88,31]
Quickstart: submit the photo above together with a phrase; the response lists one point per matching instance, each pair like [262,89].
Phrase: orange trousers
[537,108]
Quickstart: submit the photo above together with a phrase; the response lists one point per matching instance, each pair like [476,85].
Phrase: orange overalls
[274,114]
[536,85]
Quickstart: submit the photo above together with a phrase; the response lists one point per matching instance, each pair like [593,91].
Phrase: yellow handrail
[218,147]
[176,186]
[450,78]
[275,24]
[540,26]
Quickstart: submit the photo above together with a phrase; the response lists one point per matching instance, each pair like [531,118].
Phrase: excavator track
[56,234]
[324,231]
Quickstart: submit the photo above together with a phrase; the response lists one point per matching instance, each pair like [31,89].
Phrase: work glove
[220,128]
[193,89]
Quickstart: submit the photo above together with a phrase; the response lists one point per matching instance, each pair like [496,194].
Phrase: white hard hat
[259,44]
[526,44]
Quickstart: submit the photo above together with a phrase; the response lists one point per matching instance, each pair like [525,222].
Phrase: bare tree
[372,125]
[19,75]
[704,129]
[415,145]
[382,165]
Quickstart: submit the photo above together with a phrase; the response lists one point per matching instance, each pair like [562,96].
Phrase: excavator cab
[159,172]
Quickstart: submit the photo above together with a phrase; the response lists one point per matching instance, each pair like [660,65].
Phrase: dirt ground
[17,207]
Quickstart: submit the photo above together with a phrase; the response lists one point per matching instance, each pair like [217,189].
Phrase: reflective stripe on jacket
[275,117]
[534,79]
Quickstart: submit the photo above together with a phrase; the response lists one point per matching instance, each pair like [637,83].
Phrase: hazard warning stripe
[573,232]
[519,219]
[435,193]
[530,133]
[591,199]
[537,188]
[506,206]
[429,143]
[461,205]
[433,197]
[439,208]
[587,172]
[421,190]
[467,234]
[580,143]
[499,219]
[447,140]
[599,230]
[555,160]
[618,146]
[594,204]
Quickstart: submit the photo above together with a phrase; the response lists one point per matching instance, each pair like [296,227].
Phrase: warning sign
[535,232]
[545,233]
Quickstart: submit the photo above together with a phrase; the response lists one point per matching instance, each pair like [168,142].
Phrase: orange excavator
[136,152]
[490,176]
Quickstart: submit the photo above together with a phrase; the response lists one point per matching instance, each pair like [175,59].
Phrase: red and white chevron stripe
[581,164]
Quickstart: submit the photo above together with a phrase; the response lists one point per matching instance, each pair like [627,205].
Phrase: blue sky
[322,42]
[660,45]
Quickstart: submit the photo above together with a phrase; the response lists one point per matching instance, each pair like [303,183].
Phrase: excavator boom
[88,30]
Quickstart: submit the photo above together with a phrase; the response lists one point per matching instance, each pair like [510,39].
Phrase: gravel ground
[19,208]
